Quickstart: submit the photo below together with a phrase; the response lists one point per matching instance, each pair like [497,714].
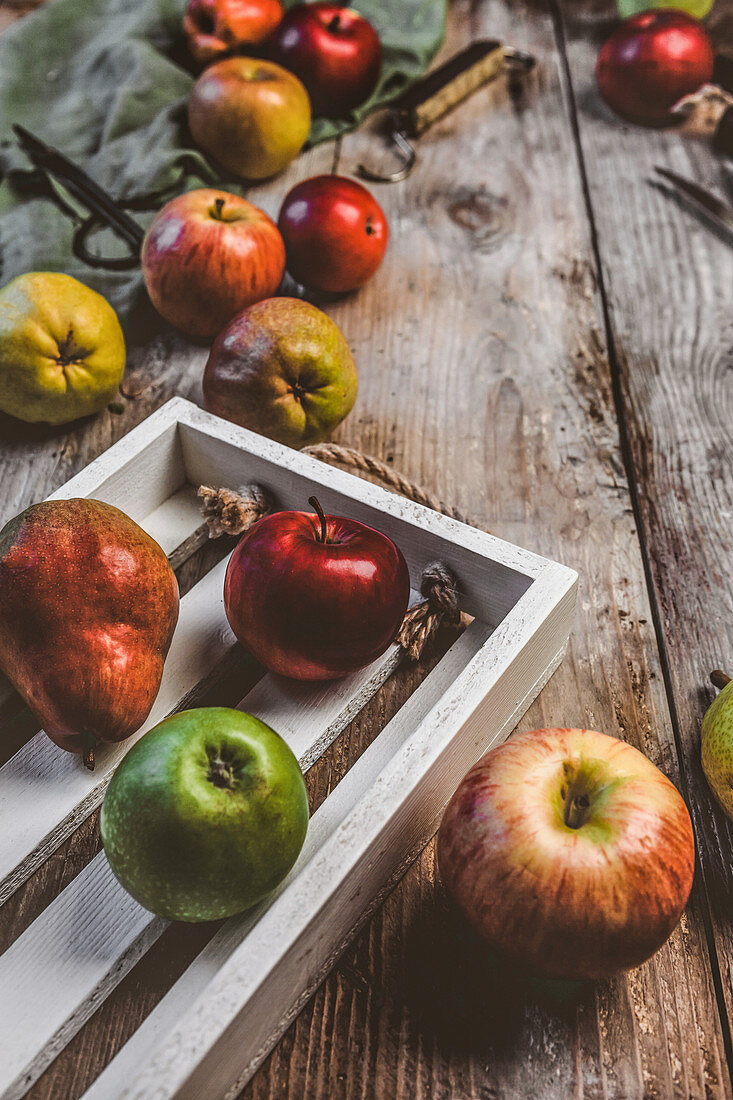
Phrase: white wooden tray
[220,1019]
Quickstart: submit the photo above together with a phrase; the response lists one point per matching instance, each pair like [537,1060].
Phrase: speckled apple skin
[717,748]
[563,902]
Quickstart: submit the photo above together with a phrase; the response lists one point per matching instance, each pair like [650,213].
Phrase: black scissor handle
[109,263]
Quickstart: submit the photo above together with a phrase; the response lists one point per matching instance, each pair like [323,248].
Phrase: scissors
[103,211]
[712,208]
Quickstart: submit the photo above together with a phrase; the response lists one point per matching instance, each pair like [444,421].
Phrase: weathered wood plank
[500,400]
[666,277]
[485,377]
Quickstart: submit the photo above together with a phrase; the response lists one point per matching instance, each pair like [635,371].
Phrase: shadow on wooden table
[462,994]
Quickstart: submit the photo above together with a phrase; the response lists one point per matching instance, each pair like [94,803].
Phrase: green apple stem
[90,744]
[316,506]
[719,679]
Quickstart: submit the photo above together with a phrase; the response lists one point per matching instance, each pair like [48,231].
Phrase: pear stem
[316,506]
[719,679]
[90,744]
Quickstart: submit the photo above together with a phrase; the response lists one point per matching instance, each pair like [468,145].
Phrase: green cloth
[99,80]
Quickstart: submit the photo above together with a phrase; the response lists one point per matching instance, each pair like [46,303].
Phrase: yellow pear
[62,352]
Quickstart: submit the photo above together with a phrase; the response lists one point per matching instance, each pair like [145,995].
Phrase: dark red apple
[314,597]
[334,50]
[569,852]
[335,233]
[651,61]
[214,28]
[208,255]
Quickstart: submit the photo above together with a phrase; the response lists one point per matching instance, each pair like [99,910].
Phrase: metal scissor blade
[705,202]
[81,186]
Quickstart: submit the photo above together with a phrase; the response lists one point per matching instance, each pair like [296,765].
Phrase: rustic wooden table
[548,345]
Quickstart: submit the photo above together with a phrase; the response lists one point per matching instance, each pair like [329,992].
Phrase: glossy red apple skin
[568,902]
[650,62]
[335,233]
[208,255]
[334,50]
[315,610]
[214,28]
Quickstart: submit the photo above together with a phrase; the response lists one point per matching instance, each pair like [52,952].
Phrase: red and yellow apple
[314,597]
[335,233]
[207,255]
[569,852]
[214,28]
[334,50]
[252,117]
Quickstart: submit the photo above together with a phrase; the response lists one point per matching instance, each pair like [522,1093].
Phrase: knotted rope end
[421,623]
[230,513]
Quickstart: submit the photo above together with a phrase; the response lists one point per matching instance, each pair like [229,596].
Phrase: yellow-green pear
[62,352]
[717,742]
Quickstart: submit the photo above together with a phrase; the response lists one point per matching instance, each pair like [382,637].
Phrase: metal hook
[409,156]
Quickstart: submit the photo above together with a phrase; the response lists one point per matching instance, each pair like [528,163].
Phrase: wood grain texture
[484,374]
[666,277]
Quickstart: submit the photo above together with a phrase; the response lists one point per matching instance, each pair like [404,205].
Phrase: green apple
[717,742]
[62,352]
[282,368]
[205,815]
[697,8]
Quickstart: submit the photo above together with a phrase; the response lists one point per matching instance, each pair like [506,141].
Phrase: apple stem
[719,679]
[219,204]
[577,811]
[90,744]
[316,506]
[333,25]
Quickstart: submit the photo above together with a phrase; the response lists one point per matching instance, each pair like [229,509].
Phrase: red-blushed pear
[334,50]
[569,852]
[251,116]
[214,28]
[314,597]
[207,255]
[88,606]
[335,233]
[282,368]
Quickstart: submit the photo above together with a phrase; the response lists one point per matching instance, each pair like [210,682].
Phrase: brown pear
[88,606]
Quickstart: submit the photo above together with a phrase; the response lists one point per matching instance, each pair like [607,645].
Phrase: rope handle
[231,513]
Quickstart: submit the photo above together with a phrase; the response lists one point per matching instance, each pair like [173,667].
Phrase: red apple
[568,851]
[216,27]
[651,61]
[252,117]
[314,596]
[207,255]
[335,233]
[335,51]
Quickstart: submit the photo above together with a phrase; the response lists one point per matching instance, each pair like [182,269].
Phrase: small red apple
[207,255]
[569,852]
[216,27]
[335,233]
[334,50]
[651,61]
[314,597]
